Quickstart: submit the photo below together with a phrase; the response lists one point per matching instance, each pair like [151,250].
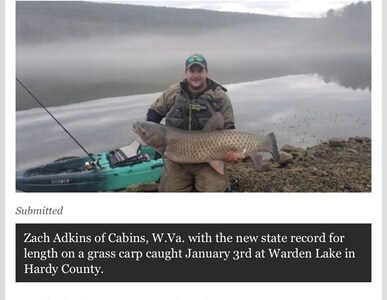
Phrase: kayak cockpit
[107,171]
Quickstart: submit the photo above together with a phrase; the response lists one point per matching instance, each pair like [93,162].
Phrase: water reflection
[350,71]
[66,73]
[300,109]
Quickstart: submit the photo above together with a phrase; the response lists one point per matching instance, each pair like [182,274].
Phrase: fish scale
[184,146]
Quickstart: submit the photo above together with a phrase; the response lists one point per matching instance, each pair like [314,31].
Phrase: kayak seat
[128,155]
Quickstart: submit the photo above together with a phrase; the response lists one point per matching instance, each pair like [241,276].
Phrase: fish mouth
[134,128]
[138,129]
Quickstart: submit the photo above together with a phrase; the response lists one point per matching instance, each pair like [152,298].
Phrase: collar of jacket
[211,85]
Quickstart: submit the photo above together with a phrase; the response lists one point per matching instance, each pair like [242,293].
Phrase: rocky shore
[337,165]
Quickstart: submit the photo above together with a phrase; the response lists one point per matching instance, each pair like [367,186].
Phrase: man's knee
[175,179]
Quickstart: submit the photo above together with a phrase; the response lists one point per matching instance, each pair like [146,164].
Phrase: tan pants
[189,177]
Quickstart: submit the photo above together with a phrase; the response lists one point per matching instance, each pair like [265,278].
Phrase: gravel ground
[334,166]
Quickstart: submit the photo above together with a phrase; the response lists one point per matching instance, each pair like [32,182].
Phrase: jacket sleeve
[159,109]
[153,116]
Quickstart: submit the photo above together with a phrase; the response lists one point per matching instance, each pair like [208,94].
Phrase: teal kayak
[108,171]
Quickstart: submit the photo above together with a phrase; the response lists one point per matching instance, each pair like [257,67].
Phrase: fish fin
[215,122]
[274,150]
[218,166]
[257,159]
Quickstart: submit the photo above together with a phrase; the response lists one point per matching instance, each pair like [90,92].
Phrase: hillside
[41,21]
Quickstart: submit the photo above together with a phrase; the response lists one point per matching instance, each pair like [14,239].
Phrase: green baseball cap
[196,59]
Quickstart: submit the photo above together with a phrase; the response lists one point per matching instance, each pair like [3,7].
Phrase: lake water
[301,110]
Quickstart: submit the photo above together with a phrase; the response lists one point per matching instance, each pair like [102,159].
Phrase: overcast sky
[288,8]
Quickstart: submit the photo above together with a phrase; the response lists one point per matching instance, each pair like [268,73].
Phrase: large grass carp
[211,145]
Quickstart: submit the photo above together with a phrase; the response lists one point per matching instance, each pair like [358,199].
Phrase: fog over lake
[98,67]
[64,73]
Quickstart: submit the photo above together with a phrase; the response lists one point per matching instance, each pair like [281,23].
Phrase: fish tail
[274,150]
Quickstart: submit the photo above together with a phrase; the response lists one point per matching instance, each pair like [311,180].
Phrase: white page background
[197,208]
